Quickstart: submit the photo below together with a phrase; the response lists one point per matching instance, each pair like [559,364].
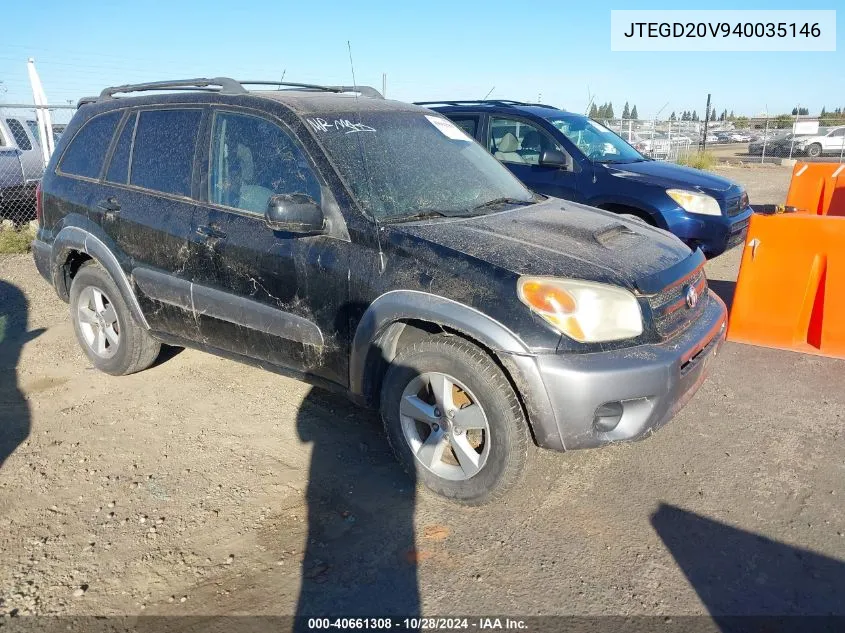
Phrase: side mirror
[294,213]
[554,158]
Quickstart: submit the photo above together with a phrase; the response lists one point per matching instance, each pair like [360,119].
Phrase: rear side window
[119,167]
[163,153]
[87,150]
[19,133]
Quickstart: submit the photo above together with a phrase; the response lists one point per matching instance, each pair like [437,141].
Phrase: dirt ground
[203,486]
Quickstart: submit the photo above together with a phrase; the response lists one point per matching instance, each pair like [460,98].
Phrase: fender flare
[74,238]
[389,309]
[398,305]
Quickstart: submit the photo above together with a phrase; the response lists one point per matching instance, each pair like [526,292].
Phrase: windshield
[408,164]
[597,142]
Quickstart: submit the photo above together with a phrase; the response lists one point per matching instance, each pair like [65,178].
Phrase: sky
[555,52]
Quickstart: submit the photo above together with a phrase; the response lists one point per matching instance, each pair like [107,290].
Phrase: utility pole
[706,123]
[384,85]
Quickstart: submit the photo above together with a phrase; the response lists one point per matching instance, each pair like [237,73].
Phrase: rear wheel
[815,150]
[454,421]
[104,327]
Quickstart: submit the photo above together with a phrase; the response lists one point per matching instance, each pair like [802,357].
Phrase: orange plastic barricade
[791,288]
[817,189]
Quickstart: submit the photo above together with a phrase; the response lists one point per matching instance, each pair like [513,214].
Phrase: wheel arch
[400,317]
[73,246]
[651,217]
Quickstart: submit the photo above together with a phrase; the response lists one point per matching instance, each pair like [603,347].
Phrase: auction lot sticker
[760,30]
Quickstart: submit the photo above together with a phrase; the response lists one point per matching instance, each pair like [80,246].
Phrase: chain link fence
[749,139]
[22,160]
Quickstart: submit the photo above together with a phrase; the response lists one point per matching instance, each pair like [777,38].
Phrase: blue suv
[570,156]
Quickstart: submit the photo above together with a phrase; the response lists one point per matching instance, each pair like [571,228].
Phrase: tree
[694,115]
[673,116]
[731,116]
[741,121]
[609,113]
[712,115]
[626,112]
[634,114]
[594,111]
[783,121]
[822,113]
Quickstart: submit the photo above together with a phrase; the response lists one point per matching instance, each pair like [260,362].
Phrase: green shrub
[699,160]
[15,240]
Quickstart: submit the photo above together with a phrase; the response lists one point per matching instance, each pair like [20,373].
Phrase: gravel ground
[202,486]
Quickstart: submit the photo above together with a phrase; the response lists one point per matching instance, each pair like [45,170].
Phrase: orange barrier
[817,189]
[791,288]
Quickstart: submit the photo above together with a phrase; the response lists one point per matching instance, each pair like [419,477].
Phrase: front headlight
[695,202]
[586,311]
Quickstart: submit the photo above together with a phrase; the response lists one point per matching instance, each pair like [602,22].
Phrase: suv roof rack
[222,85]
[501,102]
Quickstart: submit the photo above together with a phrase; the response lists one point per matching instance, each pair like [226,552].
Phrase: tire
[107,333]
[815,150]
[498,437]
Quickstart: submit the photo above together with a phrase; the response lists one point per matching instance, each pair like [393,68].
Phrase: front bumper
[713,235]
[651,382]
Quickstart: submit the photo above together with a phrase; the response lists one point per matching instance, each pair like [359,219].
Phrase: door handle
[210,232]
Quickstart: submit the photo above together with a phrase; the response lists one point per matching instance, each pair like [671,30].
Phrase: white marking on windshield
[339,125]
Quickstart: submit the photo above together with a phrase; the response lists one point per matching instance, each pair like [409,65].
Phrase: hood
[557,238]
[668,175]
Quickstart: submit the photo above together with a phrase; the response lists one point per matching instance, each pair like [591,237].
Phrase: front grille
[669,307]
[738,233]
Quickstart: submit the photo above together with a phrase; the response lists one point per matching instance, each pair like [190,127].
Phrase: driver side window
[253,159]
[517,142]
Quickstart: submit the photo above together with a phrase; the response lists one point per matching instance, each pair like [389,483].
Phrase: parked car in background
[373,248]
[570,156]
[780,145]
[21,167]
[830,141]
[739,137]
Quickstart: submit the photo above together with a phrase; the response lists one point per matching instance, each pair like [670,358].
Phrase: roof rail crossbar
[367,91]
[222,85]
[457,102]
[216,84]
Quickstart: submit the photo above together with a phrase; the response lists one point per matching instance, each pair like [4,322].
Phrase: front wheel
[454,421]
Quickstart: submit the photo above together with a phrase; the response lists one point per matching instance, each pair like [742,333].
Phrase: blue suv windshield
[597,142]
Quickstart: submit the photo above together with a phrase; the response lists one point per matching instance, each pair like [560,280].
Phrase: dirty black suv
[370,246]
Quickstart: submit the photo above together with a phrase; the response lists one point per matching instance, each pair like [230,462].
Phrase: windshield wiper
[422,215]
[497,201]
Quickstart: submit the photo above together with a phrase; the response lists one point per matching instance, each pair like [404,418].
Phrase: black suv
[369,246]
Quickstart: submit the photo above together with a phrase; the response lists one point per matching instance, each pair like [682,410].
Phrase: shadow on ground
[739,573]
[360,557]
[14,410]
[725,290]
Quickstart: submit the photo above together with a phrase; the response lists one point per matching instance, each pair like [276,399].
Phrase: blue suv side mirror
[554,158]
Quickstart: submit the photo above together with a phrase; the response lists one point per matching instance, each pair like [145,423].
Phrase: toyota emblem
[692,297]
